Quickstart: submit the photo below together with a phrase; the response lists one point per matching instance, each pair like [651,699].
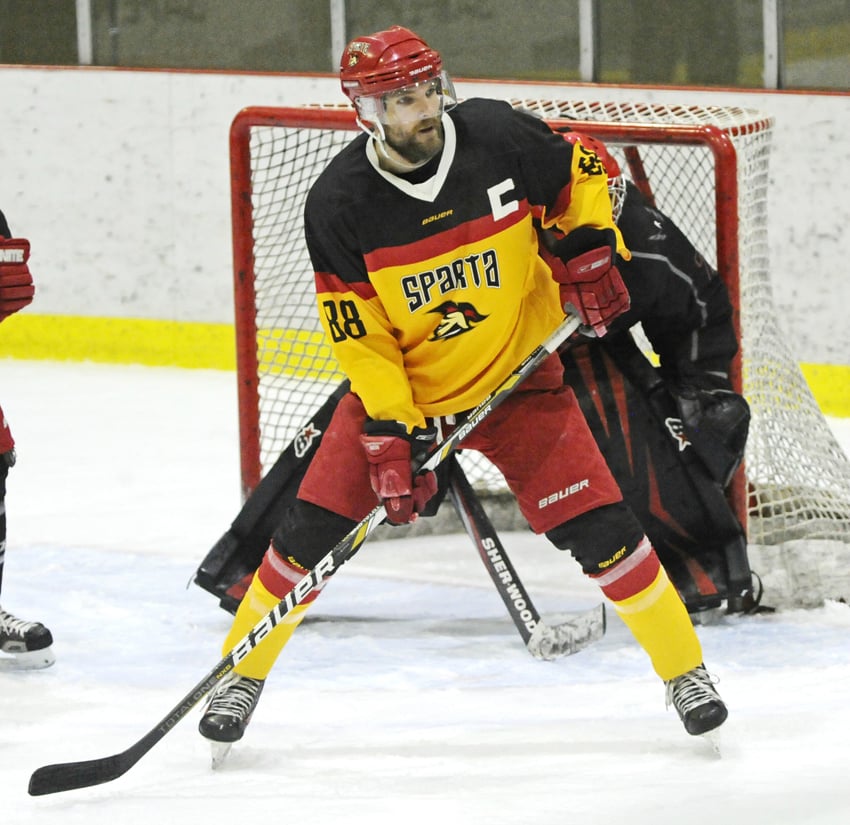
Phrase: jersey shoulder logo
[305,438]
[458,317]
[589,162]
[677,431]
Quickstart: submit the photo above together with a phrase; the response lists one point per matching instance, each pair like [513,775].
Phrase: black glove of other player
[717,423]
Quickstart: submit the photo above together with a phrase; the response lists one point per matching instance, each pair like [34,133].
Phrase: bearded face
[411,121]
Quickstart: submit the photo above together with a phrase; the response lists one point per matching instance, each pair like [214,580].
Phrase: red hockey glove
[7,445]
[589,281]
[16,287]
[390,451]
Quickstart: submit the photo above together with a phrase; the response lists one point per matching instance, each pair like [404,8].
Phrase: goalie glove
[16,287]
[390,451]
[717,423]
[588,280]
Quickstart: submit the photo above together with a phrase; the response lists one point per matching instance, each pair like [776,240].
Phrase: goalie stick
[542,640]
[68,776]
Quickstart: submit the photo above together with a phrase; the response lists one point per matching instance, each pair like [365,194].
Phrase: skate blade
[218,753]
[28,659]
[712,737]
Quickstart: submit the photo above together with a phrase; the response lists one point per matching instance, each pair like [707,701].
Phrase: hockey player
[27,645]
[673,436]
[431,288]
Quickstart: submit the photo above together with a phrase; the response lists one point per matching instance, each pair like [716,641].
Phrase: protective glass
[419,101]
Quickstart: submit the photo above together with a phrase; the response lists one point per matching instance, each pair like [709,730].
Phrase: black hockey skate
[228,712]
[696,701]
[28,644]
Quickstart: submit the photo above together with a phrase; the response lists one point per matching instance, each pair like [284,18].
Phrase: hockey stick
[68,776]
[542,640]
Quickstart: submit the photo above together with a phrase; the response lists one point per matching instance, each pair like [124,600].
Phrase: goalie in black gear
[673,435]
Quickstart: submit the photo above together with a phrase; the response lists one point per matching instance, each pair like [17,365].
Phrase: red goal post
[706,167]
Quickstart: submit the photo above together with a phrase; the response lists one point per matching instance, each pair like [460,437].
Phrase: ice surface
[407,697]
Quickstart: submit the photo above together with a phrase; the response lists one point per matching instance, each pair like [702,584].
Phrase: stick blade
[552,641]
[69,776]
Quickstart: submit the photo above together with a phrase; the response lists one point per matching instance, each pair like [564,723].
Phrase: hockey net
[705,166]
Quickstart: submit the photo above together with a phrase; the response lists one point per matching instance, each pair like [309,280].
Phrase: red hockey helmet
[385,61]
[616,181]
[376,64]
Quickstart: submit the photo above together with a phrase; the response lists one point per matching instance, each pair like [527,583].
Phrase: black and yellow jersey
[430,286]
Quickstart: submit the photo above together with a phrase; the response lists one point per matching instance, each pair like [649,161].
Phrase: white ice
[408,698]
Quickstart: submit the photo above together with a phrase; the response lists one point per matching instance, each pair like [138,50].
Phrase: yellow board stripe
[830,385]
[212,346]
[118,341]
[297,352]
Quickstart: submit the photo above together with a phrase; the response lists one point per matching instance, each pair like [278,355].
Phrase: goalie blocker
[682,507]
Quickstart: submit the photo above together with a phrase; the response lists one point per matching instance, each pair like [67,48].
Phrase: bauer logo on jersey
[458,317]
[675,428]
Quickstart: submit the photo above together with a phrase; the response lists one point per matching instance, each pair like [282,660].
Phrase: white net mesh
[797,477]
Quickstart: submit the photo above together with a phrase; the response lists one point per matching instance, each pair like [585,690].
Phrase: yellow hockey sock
[257,603]
[660,622]
[645,599]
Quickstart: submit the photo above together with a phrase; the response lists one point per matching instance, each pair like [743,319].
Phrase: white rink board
[120,179]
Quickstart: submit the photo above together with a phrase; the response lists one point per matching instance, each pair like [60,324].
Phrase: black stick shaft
[492,552]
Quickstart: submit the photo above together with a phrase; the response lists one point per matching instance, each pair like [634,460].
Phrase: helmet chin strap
[396,163]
